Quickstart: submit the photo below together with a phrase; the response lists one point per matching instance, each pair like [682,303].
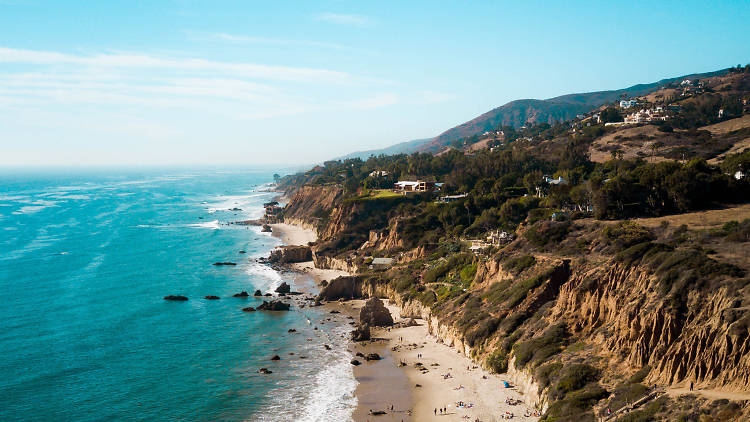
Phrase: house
[378,173]
[498,237]
[381,263]
[558,181]
[739,175]
[406,186]
[628,103]
[415,186]
[452,198]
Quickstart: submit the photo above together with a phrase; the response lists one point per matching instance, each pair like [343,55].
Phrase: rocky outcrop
[177,298]
[284,288]
[362,333]
[309,204]
[347,287]
[334,263]
[258,293]
[290,254]
[274,305]
[375,314]
[219,264]
[211,297]
[241,294]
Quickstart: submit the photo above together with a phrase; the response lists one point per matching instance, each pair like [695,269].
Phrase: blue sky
[240,82]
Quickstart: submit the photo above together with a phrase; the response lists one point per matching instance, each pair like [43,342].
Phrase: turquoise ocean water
[85,259]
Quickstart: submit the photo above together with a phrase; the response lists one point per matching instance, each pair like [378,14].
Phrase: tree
[610,115]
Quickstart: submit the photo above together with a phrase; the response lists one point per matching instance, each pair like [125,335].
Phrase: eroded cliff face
[311,206]
[619,308]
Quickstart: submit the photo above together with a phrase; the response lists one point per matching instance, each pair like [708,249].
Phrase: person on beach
[435,411]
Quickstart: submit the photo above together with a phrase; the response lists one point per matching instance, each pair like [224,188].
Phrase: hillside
[401,148]
[593,264]
[520,112]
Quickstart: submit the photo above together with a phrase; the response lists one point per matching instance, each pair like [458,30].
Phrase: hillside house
[628,103]
[381,263]
[558,181]
[739,175]
[416,186]
[378,173]
[452,198]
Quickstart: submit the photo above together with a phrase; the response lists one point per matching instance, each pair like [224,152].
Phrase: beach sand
[383,383]
[293,235]
[487,396]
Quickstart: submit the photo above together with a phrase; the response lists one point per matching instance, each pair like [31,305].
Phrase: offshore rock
[258,293]
[283,288]
[175,297]
[274,305]
[241,294]
[211,297]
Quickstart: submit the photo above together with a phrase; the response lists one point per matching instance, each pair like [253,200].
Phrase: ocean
[85,260]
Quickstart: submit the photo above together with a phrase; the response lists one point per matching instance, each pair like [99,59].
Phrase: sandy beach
[293,235]
[482,393]
[445,379]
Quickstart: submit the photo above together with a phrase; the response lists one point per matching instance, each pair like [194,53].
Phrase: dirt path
[710,394]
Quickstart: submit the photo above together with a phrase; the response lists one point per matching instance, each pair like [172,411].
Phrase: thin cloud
[138,60]
[243,39]
[342,19]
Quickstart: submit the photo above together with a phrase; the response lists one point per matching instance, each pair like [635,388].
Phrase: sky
[184,82]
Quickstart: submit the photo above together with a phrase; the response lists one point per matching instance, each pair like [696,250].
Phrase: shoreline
[422,386]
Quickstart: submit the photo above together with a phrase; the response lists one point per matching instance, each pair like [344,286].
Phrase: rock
[377,412]
[347,287]
[211,297]
[375,314]
[327,347]
[243,252]
[290,254]
[268,294]
[258,293]
[372,356]
[266,229]
[175,297]
[235,209]
[274,305]
[362,333]
[360,354]
[411,323]
[265,371]
[224,263]
[335,312]
[323,283]
[241,294]
[275,357]
[291,330]
[248,309]
[283,288]
[355,362]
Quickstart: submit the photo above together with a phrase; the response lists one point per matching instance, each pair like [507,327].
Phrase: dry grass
[728,125]
[700,220]
[627,143]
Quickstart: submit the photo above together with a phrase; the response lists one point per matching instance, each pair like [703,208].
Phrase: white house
[379,173]
[739,175]
[558,181]
[628,103]
[381,263]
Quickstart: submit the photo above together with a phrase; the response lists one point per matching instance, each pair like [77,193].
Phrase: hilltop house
[628,103]
[416,186]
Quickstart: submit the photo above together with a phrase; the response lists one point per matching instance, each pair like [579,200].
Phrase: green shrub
[576,406]
[498,361]
[544,232]
[536,349]
[572,378]
[545,373]
[517,265]
[626,234]
[468,272]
